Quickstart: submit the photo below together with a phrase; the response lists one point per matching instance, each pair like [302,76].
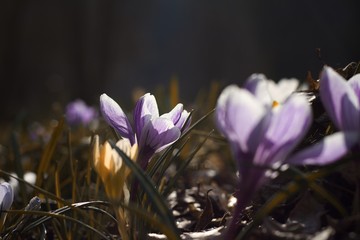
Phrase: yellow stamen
[275,104]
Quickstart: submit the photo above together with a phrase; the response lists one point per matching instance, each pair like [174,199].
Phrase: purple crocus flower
[261,136]
[6,200]
[78,112]
[341,99]
[151,131]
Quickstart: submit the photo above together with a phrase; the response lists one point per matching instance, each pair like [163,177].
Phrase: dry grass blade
[48,152]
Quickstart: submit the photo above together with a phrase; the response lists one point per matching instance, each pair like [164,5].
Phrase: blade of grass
[174,91]
[170,185]
[164,161]
[154,196]
[53,196]
[50,215]
[150,219]
[301,181]
[48,152]
[213,94]
[328,197]
[154,165]
[57,185]
[76,206]
[18,166]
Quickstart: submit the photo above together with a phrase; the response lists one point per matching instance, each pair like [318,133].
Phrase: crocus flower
[6,200]
[270,92]
[114,173]
[261,137]
[78,112]
[258,135]
[109,165]
[151,131]
[341,99]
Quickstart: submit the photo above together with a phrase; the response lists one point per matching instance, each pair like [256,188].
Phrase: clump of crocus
[78,112]
[151,131]
[114,173]
[6,200]
[262,134]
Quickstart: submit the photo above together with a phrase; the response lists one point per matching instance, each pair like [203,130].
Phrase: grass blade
[154,196]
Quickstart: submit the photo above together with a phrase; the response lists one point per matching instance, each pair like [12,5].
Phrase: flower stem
[120,215]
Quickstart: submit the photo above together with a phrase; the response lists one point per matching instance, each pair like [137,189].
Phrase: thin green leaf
[50,215]
[301,181]
[170,185]
[167,162]
[153,195]
[328,197]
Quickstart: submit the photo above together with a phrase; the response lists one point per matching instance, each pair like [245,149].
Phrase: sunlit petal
[158,134]
[288,126]
[339,100]
[283,89]
[6,196]
[239,117]
[354,83]
[327,150]
[115,117]
[258,85]
[146,109]
[177,115]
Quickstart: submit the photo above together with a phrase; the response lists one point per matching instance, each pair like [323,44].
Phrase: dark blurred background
[56,51]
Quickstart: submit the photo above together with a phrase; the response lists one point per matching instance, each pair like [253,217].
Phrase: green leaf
[154,196]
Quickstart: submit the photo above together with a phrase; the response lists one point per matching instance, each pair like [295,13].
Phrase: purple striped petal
[115,117]
[327,150]
[339,100]
[146,109]
[240,117]
[354,83]
[257,84]
[6,196]
[158,134]
[177,115]
[184,121]
[288,126]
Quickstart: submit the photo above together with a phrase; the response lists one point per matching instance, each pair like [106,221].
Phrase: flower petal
[327,150]
[115,117]
[240,117]
[177,115]
[283,89]
[184,121]
[339,100]
[6,196]
[258,85]
[288,126]
[146,109]
[354,83]
[158,134]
